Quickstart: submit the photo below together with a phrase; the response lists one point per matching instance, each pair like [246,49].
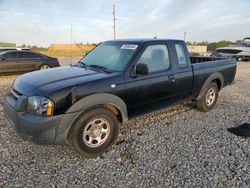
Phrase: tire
[208,99]
[87,130]
[44,67]
[240,59]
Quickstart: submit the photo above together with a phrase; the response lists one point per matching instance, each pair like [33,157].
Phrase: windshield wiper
[82,65]
[101,68]
[96,67]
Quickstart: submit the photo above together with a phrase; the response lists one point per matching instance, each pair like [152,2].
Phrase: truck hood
[47,81]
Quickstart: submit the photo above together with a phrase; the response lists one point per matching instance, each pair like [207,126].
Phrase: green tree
[211,46]
[223,43]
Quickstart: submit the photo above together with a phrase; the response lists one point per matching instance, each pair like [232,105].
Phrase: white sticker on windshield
[129,46]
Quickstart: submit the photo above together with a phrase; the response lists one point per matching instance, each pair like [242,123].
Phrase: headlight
[40,106]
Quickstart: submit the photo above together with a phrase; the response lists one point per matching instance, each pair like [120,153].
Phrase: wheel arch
[109,101]
[215,77]
[89,103]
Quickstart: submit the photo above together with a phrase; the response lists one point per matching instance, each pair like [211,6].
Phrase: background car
[16,61]
[238,52]
[9,48]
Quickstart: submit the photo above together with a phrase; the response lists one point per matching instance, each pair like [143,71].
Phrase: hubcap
[44,67]
[96,132]
[210,97]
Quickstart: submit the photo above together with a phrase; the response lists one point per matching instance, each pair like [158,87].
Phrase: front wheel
[94,132]
[208,99]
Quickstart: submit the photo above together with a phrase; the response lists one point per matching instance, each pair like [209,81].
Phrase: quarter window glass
[182,60]
[156,57]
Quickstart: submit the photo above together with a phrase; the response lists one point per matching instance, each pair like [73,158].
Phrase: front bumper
[38,129]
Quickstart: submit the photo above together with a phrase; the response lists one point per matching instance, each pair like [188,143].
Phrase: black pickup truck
[117,80]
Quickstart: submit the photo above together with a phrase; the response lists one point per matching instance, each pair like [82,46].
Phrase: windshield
[112,56]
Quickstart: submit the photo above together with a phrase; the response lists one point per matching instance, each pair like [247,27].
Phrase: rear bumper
[37,129]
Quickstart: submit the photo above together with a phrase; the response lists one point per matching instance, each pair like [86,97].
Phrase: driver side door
[154,89]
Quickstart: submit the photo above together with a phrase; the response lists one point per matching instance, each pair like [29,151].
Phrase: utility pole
[114,19]
[185,33]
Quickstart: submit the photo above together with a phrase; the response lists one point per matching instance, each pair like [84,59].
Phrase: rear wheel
[44,66]
[208,99]
[94,132]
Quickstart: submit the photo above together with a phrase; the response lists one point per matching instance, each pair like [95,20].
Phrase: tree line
[211,46]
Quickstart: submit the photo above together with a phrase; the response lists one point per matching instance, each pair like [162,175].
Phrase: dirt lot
[177,146]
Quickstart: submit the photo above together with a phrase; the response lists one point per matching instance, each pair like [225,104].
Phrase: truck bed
[201,59]
[203,67]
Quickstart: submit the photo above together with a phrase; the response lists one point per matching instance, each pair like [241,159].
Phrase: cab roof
[143,40]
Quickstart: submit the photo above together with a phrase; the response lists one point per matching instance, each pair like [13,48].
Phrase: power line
[42,13]
[51,7]
[151,24]
[50,24]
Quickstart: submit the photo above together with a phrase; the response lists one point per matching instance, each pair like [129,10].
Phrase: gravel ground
[177,146]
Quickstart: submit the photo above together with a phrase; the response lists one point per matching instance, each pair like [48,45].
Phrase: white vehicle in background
[240,53]
[246,41]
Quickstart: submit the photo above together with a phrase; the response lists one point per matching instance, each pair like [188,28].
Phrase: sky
[42,22]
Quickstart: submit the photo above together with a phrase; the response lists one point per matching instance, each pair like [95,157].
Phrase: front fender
[99,99]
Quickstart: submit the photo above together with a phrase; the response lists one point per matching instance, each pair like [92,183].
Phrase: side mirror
[141,69]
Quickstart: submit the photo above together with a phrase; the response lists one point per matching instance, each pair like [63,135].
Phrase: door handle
[171,78]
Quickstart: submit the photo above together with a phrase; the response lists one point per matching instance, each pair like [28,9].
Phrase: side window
[27,55]
[182,59]
[156,57]
[11,55]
